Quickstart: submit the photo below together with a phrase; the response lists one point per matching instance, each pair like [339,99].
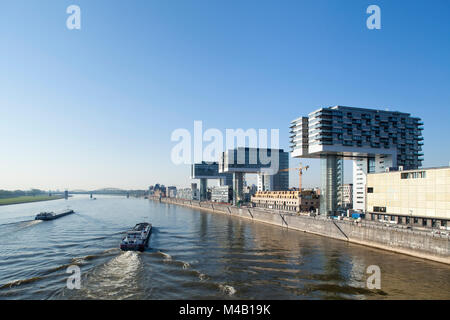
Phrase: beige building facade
[294,201]
[415,197]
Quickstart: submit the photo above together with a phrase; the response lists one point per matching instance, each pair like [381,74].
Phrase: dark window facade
[379,209]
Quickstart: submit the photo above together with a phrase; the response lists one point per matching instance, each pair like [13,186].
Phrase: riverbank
[419,244]
[26,199]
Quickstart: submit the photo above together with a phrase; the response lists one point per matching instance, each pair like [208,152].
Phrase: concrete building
[222,194]
[172,192]
[373,139]
[160,193]
[295,201]
[205,171]
[249,191]
[188,194]
[266,163]
[413,197]
[347,196]
[159,190]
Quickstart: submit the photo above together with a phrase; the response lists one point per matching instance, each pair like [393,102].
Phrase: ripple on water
[196,255]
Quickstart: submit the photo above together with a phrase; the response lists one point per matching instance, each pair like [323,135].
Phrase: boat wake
[185,270]
[20,282]
[116,279]
[17,226]
[227,289]
[46,274]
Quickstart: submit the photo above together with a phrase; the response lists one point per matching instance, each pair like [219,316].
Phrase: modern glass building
[266,163]
[209,170]
[373,139]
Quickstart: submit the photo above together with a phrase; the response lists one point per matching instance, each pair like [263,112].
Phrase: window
[370,190]
[379,209]
[424,222]
[443,223]
[413,175]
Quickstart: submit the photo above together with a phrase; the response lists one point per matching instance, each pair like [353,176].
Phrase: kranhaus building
[375,140]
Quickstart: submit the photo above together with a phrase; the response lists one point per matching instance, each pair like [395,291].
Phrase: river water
[192,255]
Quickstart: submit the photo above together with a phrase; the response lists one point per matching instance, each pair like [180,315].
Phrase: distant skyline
[95,108]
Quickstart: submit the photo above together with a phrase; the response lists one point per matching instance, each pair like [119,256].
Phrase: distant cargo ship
[51,215]
[137,238]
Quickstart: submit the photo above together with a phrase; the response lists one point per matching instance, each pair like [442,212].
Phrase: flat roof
[413,170]
[360,109]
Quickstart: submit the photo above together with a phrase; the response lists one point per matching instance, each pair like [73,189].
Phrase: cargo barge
[137,238]
[45,216]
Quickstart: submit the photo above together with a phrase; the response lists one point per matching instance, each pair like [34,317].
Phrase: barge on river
[137,238]
[45,216]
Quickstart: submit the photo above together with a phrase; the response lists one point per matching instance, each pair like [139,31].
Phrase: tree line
[20,193]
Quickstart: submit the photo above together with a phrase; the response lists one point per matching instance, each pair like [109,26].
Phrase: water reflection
[193,255]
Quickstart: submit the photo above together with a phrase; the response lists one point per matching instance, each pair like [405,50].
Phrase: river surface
[192,255]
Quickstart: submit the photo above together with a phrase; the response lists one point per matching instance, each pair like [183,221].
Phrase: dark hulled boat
[137,238]
[45,216]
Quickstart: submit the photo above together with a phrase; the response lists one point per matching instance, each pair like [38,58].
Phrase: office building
[412,197]
[205,171]
[373,139]
[172,192]
[268,164]
[222,194]
[188,194]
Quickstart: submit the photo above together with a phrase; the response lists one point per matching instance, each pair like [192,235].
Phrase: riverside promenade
[421,244]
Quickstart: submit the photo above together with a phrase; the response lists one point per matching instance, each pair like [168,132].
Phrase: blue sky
[96,107]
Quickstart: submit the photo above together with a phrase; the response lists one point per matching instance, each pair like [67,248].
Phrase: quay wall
[414,243]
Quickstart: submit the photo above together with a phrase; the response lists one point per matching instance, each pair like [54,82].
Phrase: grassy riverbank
[25,199]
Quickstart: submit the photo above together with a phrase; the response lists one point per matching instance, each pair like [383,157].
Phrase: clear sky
[96,107]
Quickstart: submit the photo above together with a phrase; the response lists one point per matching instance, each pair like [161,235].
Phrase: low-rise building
[172,192]
[159,193]
[188,194]
[414,197]
[222,194]
[295,201]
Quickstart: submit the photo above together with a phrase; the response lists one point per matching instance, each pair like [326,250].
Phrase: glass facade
[331,177]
